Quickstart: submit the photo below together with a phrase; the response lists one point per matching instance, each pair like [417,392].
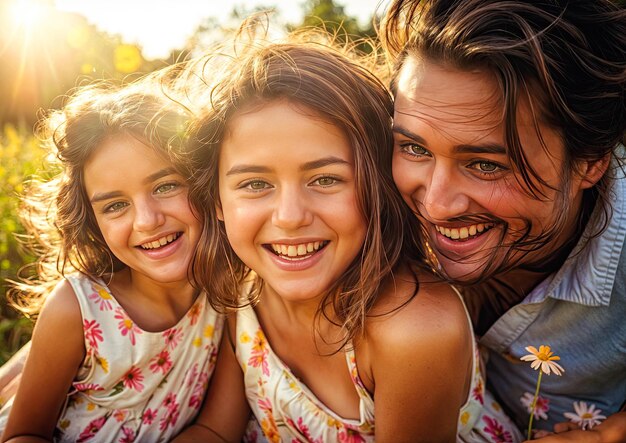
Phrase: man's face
[452,167]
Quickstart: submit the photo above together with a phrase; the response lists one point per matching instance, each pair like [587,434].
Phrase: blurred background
[48,47]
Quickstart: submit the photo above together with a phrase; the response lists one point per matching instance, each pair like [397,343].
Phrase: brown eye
[326,181]
[487,166]
[255,185]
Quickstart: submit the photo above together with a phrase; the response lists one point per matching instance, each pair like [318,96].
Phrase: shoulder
[403,316]
[61,303]
[60,315]
[417,333]
[416,354]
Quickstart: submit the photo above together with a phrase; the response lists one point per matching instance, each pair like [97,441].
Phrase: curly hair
[61,227]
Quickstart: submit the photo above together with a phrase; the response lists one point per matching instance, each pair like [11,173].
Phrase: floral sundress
[287,411]
[136,385]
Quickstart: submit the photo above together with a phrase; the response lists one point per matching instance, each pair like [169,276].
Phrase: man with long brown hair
[509,129]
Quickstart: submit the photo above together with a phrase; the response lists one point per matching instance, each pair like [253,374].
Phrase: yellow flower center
[543,356]
[586,416]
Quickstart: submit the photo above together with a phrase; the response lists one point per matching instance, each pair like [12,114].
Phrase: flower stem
[532,406]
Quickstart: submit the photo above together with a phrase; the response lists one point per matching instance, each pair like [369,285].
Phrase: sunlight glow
[27,13]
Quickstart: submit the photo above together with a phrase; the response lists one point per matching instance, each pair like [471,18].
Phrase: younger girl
[335,339]
[124,345]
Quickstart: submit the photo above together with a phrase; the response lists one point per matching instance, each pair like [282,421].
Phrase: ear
[219,212]
[592,171]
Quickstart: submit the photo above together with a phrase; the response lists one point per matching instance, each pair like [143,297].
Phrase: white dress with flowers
[136,385]
[287,411]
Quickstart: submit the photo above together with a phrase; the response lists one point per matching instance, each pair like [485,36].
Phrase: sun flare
[27,13]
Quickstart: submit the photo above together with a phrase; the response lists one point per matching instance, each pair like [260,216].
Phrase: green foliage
[20,158]
[332,17]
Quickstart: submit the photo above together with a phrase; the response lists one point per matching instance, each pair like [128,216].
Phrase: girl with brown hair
[336,334]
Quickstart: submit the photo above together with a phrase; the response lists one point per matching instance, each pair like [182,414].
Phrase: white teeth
[296,251]
[160,242]
[464,232]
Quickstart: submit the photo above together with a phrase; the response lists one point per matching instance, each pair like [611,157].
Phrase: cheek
[406,180]
[349,217]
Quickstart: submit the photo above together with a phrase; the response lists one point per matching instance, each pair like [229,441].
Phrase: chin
[460,272]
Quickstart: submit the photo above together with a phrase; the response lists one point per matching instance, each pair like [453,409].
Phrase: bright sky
[161,25]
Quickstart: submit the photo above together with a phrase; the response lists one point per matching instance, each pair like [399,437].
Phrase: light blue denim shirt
[580,312]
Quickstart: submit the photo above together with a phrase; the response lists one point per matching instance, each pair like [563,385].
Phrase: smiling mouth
[298,251]
[466,232]
[160,242]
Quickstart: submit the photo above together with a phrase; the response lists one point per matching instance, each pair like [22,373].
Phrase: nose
[148,216]
[444,193]
[292,209]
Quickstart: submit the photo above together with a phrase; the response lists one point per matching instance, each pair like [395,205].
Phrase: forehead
[119,159]
[446,97]
[282,126]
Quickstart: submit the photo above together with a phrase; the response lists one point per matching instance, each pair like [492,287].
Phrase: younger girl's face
[288,198]
[141,206]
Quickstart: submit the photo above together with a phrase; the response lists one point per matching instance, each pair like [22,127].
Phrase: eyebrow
[315,164]
[102,196]
[159,174]
[487,148]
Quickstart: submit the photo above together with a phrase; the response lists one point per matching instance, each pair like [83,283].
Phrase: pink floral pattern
[497,431]
[173,337]
[541,407]
[93,333]
[161,362]
[126,326]
[133,378]
[136,385]
[258,356]
[286,410]
[91,429]
[101,298]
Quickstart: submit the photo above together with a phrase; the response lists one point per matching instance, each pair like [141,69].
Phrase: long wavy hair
[567,58]
[61,227]
[328,82]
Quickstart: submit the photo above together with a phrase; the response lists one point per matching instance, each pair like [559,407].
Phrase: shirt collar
[588,274]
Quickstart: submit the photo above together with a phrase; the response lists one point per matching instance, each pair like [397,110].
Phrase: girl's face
[288,198]
[140,203]
[450,162]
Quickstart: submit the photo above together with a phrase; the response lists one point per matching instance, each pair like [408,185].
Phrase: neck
[294,312]
[299,319]
[134,282]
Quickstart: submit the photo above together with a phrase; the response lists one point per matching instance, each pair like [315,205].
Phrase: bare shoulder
[411,312]
[61,304]
[57,349]
[416,354]
[60,316]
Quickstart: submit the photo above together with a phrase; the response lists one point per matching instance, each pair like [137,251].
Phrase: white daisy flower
[585,416]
